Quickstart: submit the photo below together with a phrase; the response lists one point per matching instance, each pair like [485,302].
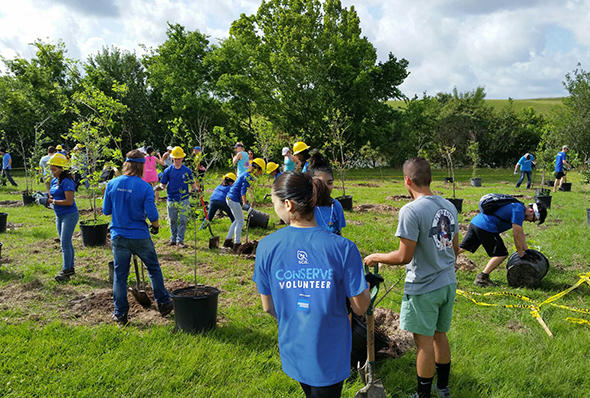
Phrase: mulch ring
[366,184]
[11,203]
[399,197]
[464,263]
[387,323]
[379,208]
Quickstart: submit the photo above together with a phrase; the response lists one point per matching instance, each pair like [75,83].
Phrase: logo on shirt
[442,230]
[302,257]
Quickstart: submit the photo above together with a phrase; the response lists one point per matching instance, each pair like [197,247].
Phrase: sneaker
[64,275]
[443,392]
[120,320]
[181,245]
[483,280]
[165,309]
[414,395]
[228,243]
[171,243]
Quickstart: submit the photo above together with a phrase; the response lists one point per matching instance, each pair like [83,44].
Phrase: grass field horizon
[541,105]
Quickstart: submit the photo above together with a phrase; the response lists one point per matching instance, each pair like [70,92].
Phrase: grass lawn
[56,339]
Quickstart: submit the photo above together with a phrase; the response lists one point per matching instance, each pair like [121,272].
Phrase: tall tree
[575,120]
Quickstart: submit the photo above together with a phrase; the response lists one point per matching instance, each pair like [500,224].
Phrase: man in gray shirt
[427,229]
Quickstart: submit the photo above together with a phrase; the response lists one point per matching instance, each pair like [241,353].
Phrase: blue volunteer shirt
[561,156]
[331,217]
[58,192]
[240,187]
[309,272]
[220,193]
[5,159]
[304,169]
[502,219]
[526,164]
[130,200]
[177,182]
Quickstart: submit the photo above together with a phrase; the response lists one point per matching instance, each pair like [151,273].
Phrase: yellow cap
[299,147]
[260,163]
[78,146]
[231,176]
[271,166]
[59,148]
[177,153]
[58,160]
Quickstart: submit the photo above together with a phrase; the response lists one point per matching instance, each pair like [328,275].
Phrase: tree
[575,125]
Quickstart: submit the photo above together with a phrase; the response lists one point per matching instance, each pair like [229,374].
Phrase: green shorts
[429,312]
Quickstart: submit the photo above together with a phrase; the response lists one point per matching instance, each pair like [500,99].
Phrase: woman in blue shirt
[526,163]
[61,195]
[130,200]
[304,275]
[217,200]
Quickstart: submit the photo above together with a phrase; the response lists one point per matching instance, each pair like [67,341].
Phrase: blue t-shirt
[130,200]
[289,164]
[240,187]
[220,193]
[561,156]
[304,169]
[177,181]
[502,219]
[5,160]
[526,164]
[243,164]
[58,192]
[309,272]
[330,217]
[277,175]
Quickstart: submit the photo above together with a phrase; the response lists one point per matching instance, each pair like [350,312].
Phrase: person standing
[165,159]
[241,159]
[526,163]
[150,172]
[560,161]
[301,154]
[304,275]
[130,199]
[61,195]
[7,167]
[288,160]
[428,230]
[176,180]
[44,167]
[60,149]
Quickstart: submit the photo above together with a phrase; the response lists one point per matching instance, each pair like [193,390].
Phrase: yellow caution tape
[578,321]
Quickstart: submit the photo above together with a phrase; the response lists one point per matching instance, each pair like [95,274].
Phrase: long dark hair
[303,155]
[65,173]
[301,189]
[319,164]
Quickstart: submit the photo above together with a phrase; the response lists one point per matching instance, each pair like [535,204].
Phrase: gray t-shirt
[431,222]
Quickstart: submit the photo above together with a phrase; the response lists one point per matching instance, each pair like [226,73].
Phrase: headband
[536,210]
[135,160]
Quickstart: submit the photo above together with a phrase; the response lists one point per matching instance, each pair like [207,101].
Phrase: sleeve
[407,226]
[354,275]
[165,176]
[517,216]
[532,157]
[521,161]
[68,185]
[261,276]
[107,205]
[340,214]
[149,205]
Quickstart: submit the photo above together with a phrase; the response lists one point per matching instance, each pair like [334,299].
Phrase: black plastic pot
[476,182]
[258,219]
[542,192]
[566,186]
[93,234]
[549,183]
[449,180]
[3,218]
[359,341]
[111,272]
[346,202]
[195,314]
[528,270]
[458,203]
[28,199]
[546,200]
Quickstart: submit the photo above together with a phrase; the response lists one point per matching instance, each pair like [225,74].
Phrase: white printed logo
[443,229]
[302,257]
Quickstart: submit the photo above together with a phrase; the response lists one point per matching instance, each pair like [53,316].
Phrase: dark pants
[521,179]
[6,174]
[214,207]
[333,391]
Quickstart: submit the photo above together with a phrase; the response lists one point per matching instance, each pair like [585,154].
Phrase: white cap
[536,211]
[169,148]
[285,151]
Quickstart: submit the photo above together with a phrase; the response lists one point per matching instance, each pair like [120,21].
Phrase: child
[217,199]
[150,172]
[273,169]
[304,275]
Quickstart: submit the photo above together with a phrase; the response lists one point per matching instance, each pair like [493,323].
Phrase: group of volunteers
[527,162]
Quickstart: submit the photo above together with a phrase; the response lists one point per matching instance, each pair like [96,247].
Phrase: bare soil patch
[366,184]
[354,222]
[399,197]
[11,203]
[464,263]
[387,323]
[379,208]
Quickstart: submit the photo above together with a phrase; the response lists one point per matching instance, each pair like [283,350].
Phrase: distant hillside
[541,105]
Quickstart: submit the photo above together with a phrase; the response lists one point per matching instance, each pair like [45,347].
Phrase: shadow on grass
[91,281]
[244,336]
[6,275]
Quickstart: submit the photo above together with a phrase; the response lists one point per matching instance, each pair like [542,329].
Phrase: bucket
[28,199]
[195,314]
[93,234]
[476,182]
[111,271]
[550,183]
[359,341]
[458,203]
[528,270]
[449,179]
[566,186]
[3,218]
[258,219]
[546,200]
[346,202]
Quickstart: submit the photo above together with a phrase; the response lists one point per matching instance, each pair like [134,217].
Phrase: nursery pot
[528,270]
[258,219]
[93,234]
[346,202]
[3,218]
[476,182]
[28,199]
[458,203]
[546,200]
[566,186]
[195,314]
[550,183]
[359,341]
[449,179]
[542,192]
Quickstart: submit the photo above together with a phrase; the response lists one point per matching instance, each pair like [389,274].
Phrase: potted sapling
[473,151]
[447,152]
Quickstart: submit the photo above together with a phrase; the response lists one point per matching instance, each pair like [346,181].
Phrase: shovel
[139,294]
[374,387]
[214,240]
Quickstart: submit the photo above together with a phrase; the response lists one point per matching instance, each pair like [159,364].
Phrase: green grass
[540,105]
[497,352]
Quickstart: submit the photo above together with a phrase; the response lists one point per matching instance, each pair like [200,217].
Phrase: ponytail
[303,190]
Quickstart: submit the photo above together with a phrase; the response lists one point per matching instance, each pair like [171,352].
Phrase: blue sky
[513,48]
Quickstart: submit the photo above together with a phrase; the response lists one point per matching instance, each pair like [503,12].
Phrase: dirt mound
[375,207]
[367,184]
[11,203]
[399,197]
[12,226]
[248,247]
[464,263]
[387,323]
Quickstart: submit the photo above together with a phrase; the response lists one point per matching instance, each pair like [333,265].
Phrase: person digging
[485,230]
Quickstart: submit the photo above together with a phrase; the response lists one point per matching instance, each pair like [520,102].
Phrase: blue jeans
[214,207]
[65,229]
[521,179]
[177,219]
[6,173]
[123,248]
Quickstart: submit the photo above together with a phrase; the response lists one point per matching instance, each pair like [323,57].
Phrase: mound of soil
[399,197]
[387,323]
[464,263]
[375,207]
[248,247]
[11,203]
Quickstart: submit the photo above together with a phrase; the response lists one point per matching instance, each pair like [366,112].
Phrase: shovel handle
[136,271]
[370,337]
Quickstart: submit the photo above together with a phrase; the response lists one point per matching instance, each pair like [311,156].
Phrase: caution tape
[578,321]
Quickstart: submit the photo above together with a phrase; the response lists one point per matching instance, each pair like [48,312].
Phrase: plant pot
[566,186]
[550,183]
[3,218]
[195,314]
[346,202]
[111,272]
[542,192]
[359,341]
[93,234]
[449,180]
[28,199]
[546,200]
[458,203]
[528,270]
[258,219]
[476,182]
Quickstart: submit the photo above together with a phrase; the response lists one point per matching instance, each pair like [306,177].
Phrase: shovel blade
[141,297]
[214,242]
[373,390]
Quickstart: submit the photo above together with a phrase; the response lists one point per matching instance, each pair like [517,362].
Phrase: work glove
[246,207]
[373,280]
[154,230]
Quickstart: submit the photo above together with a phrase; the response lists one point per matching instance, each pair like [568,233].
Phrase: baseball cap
[285,151]
[238,144]
[198,148]
[169,148]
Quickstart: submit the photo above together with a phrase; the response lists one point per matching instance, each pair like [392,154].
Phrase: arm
[149,205]
[456,248]
[401,256]
[236,158]
[519,239]
[360,303]
[68,201]
[267,305]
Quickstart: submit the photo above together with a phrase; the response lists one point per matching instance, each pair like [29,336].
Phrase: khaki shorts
[429,312]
